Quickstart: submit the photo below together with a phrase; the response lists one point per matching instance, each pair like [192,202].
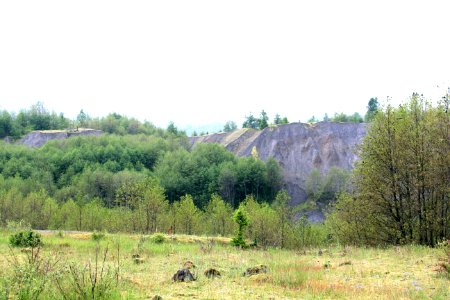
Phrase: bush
[26,238]
[97,236]
[158,238]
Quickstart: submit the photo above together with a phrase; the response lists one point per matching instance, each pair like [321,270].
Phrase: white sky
[201,62]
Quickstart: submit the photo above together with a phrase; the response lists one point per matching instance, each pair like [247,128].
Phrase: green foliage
[187,215]
[229,126]
[341,117]
[30,277]
[27,238]
[285,214]
[325,189]
[250,122]
[158,238]
[218,216]
[242,221]
[37,117]
[401,181]
[210,169]
[313,120]
[18,225]
[264,224]
[257,123]
[372,109]
[98,236]
[82,119]
[263,120]
[278,120]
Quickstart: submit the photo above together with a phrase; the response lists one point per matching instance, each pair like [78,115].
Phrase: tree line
[37,117]
[142,207]
[82,168]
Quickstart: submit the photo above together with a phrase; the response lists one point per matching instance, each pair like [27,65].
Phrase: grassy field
[336,273]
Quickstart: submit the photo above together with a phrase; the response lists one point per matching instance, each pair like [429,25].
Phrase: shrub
[97,235]
[158,238]
[26,238]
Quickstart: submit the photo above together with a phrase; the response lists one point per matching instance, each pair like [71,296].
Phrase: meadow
[78,265]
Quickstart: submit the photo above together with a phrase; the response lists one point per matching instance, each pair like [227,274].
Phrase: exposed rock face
[39,138]
[297,147]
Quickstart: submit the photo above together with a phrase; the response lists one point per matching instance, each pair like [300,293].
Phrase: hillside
[40,137]
[298,147]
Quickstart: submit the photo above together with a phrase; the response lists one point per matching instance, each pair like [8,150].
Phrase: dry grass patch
[394,273]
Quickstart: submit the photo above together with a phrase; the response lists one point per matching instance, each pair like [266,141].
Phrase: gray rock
[298,148]
[183,275]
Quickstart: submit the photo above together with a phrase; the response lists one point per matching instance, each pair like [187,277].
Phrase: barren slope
[297,147]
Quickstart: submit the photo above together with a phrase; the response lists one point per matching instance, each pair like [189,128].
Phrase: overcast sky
[201,62]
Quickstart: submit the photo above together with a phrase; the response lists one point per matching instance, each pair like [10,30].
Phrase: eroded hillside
[298,148]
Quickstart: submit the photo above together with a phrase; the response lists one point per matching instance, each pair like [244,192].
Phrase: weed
[95,280]
[31,276]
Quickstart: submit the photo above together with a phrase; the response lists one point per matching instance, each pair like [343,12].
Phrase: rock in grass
[188,265]
[212,273]
[255,270]
[183,275]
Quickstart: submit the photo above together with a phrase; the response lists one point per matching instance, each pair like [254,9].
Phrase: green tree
[229,126]
[187,215]
[274,178]
[241,220]
[313,120]
[314,185]
[277,119]
[227,182]
[401,179]
[6,124]
[355,118]
[372,109]
[263,120]
[285,214]
[263,222]
[153,204]
[340,117]
[250,122]
[171,128]
[82,119]
[218,215]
